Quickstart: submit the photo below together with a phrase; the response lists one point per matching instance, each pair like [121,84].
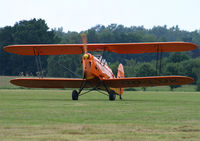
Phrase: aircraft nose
[86,56]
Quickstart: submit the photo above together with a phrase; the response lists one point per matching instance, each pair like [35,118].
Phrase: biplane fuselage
[94,67]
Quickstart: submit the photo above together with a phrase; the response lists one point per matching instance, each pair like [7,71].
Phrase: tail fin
[120,74]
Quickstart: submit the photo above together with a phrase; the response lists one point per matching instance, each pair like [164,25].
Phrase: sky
[80,15]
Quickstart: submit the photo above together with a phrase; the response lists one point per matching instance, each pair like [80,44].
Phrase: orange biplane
[97,74]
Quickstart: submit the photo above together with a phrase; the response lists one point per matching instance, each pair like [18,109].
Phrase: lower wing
[148,81]
[48,82]
[113,83]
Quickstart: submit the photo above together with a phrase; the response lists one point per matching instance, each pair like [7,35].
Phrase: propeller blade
[84,40]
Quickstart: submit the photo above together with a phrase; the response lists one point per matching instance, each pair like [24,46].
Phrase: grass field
[52,115]
[5,82]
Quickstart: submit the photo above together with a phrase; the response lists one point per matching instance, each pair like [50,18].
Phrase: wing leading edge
[121,48]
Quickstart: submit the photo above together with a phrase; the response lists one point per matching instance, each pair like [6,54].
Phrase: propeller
[86,56]
[84,41]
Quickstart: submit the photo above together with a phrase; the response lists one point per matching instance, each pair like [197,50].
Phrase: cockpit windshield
[98,57]
[104,61]
[101,59]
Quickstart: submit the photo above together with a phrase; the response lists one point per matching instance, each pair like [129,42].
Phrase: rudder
[120,74]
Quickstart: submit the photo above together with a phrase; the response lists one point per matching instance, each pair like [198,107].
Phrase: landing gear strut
[120,97]
[76,94]
[111,93]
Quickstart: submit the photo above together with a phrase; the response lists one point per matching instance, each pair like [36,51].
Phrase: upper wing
[48,82]
[121,48]
[45,49]
[134,48]
[148,81]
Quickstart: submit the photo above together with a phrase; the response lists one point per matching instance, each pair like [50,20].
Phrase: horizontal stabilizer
[121,48]
[148,81]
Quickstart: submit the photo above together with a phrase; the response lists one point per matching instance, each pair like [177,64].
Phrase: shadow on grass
[28,99]
[117,100]
[177,101]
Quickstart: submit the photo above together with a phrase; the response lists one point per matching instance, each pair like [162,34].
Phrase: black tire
[112,95]
[74,95]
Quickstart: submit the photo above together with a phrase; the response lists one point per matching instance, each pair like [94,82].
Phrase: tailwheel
[75,95]
[112,95]
[120,97]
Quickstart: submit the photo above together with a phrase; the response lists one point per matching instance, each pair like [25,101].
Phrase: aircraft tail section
[120,74]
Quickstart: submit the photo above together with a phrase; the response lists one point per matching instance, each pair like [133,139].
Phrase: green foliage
[191,68]
[145,69]
[65,66]
[198,85]
[24,32]
[32,32]
[129,68]
[177,57]
[173,69]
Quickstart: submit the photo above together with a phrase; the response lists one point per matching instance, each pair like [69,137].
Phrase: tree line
[36,31]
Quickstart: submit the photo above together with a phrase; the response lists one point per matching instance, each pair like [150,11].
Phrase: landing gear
[120,97]
[112,95]
[75,95]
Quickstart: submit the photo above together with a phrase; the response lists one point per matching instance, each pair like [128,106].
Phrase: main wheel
[74,95]
[112,95]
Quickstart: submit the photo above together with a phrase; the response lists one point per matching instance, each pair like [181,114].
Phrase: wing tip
[15,82]
[11,49]
[191,46]
[6,48]
[194,46]
[189,80]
